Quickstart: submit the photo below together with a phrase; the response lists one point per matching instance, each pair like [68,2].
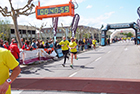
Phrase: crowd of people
[83,44]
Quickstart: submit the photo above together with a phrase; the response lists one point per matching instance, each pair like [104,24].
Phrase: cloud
[95,22]
[109,14]
[89,6]
[25,20]
[121,7]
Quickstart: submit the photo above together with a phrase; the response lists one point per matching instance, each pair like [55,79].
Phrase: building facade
[25,32]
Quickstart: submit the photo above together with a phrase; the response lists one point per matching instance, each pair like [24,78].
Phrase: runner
[73,50]
[65,50]
[94,43]
[7,61]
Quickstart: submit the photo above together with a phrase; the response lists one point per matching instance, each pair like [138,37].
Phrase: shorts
[94,44]
[73,53]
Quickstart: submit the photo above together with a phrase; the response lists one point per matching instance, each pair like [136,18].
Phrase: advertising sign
[138,11]
[55,24]
[118,26]
[138,22]
[74,24]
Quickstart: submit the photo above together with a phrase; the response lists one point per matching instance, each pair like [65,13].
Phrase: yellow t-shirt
[94,41]
[7,61]
[72,45]
[65,43]
[84,40]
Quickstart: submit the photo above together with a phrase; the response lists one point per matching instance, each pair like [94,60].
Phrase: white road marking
[103,93]
[98,59]
[73,74]
[126,49]
[109,51]
[16,91]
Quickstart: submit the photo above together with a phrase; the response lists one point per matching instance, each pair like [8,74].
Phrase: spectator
[41,44]
[1,43]
[13,39]
[81,44]
[6,46]
[46,44]
[56,45]
[15,50]
[51,44]
[33,45]
[22,43]
[38,43]
[26,46]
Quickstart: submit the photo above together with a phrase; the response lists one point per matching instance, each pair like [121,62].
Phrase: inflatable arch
[132,25]
[117,32]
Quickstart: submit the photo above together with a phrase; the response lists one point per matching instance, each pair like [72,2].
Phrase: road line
[98,59]
[73,74]
[126,49]
[109,51]
[16,91]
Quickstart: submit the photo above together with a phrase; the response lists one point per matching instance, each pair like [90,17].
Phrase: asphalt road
[119,60]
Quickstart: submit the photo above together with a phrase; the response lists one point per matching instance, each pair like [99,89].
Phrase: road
[119,60]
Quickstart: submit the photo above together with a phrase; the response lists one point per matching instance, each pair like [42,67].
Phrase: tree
[129,34]
[15,13]
[40,29]
[4,29]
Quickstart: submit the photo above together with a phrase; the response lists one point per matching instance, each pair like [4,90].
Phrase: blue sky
[109,11]
[92,13]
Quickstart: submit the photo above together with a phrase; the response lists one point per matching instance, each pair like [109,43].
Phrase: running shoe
[71,66]
[63,65]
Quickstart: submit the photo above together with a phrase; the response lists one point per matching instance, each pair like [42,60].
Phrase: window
[48,31]
[60,30]
[12,31]
[33,32]
[45,31]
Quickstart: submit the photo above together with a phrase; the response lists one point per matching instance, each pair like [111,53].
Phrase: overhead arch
[116,32]
[132,25]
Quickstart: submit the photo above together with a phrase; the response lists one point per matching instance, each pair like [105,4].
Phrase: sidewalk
[50,92]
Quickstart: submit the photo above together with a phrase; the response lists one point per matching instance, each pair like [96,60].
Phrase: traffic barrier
[28,57]
[96,85]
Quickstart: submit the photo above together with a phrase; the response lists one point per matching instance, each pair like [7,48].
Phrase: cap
[15,42]
[71,38]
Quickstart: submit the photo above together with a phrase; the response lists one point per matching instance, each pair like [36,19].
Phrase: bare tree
[40,29]
[51,33]
[15,13]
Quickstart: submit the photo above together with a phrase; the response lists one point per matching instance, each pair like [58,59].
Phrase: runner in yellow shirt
[73,50]
[94,43]
[65,50]
[7,61]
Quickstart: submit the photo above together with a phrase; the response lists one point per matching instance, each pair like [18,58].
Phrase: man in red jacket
[15,50]
[6,45]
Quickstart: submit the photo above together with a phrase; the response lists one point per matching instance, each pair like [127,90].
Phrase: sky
[93,13]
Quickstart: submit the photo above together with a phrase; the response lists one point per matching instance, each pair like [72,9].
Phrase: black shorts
[73,53]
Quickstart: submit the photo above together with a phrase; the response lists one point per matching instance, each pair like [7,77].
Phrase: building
[82,31]
[25,32]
